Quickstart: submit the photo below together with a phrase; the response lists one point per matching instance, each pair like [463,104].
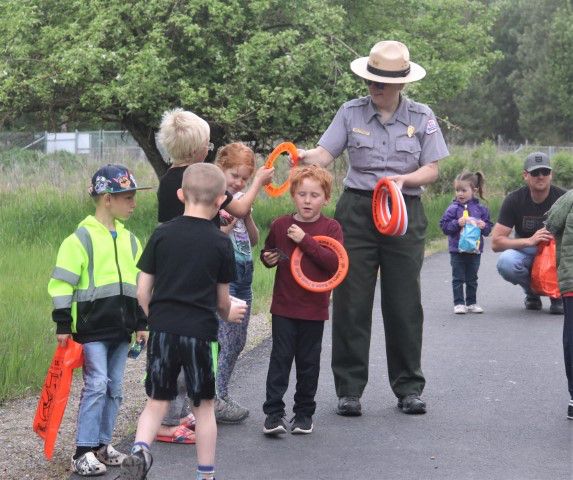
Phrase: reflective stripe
[64,275]
[113,289]
[86,241]
[63,301]
[133,244]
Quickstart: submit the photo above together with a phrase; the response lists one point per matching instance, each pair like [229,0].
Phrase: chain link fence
[101,145]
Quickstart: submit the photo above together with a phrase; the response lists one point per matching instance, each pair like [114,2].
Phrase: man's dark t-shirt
[188,256]
[519,211]
[168,205]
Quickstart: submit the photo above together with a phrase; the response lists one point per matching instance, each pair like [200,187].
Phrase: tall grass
[43,197]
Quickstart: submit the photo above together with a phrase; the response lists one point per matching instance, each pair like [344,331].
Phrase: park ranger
[385,135]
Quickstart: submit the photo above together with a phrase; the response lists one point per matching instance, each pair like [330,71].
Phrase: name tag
[360,131]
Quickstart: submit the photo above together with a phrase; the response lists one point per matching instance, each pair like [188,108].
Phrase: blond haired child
[93,289]
[298,315]
[186,268]
[185,136]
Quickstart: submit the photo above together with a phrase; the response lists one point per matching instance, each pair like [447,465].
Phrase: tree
[527,94]
[257,70]
[540,114]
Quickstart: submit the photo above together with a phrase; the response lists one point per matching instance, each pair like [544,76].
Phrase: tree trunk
[145,138]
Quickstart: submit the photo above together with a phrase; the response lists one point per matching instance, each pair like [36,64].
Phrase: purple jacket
[449,222]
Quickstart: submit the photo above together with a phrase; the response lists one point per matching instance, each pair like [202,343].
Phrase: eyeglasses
[210,146]
[540,171]
[376,84]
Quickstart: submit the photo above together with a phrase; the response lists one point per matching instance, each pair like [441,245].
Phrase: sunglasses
[540,171]
[376,84]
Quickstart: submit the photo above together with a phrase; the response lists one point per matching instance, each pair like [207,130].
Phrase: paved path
[496,394]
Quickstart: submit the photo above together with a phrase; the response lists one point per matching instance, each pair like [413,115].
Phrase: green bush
[562,164]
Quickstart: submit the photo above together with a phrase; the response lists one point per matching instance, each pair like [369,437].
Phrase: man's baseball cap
[113,179]
[535,161]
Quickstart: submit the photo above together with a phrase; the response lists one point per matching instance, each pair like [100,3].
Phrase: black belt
[369,193]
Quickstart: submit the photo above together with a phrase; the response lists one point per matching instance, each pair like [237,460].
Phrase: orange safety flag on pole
[55,393]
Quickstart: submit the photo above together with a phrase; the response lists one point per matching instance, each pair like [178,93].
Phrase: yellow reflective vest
[93,285]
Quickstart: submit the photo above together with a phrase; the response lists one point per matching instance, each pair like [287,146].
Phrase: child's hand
[295,233]
[271,258]
[63,339]
[142,335]
[264,175]
[480,224]
[237,311]
[226,218]
[462,221]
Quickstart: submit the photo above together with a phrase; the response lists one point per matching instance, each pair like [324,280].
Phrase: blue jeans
[515,267]
[465,268]
[233,336]
[104,364]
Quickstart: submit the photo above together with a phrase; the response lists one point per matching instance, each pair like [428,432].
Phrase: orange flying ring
[332,282]
[285,147]
[396,222]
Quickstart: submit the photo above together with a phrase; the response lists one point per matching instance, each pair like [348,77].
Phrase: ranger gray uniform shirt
[409,140]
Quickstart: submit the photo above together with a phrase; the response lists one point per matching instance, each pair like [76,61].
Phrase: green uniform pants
[400,261]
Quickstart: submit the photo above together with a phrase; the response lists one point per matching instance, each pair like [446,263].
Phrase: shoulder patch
[431,126]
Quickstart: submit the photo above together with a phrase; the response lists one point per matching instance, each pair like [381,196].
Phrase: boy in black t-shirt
[186,268]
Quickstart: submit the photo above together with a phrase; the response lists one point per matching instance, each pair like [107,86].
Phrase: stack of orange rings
[395,223]
[285,147]
[332,282]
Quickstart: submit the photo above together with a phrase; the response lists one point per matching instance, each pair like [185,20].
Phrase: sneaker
[88,465]
[349,406]
[556,307]
[275,424]
[412,404]
[110,456]
[475,308]
[570,410]
[460,309]
[137,465]
[532,302]
[301,424]
[229,411]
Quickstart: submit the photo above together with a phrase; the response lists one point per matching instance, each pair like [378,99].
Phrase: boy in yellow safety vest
[93,289]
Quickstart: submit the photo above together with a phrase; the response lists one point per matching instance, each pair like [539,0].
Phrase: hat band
[388,73]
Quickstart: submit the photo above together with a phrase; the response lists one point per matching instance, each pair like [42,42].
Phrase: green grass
[43,197]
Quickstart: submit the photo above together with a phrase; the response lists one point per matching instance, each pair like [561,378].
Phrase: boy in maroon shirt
[298,315]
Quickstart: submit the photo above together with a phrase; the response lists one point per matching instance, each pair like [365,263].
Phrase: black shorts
[167,353]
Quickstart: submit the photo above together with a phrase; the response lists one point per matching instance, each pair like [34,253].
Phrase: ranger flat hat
[388,62]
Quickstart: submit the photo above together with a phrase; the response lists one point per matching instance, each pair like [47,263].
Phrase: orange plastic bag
[544,271]
[55,392]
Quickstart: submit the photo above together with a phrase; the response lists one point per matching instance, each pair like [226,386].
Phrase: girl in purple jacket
[464,209]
